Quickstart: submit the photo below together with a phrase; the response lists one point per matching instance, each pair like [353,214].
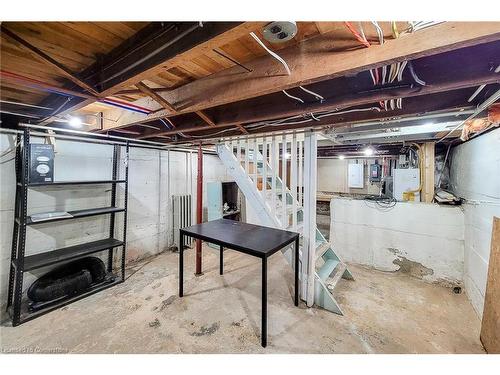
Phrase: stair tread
[327,268]
[339,272]
[321,249]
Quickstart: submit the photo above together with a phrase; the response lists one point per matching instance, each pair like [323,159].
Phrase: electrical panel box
[375,172]
[405,180]
[356,176]
[41,158]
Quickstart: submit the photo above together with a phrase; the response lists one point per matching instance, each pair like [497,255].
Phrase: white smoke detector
[280,31]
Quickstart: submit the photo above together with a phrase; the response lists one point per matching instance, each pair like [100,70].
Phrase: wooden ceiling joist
[211,35]
[275,110]
[158,98]
[352,100]
[313,61]
[348,101]
[242,129]
[39,54]
[205,118]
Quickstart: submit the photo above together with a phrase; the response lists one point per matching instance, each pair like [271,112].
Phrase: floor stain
[155,323]
[412,268]
[204,331]
[167,302]
[384,312]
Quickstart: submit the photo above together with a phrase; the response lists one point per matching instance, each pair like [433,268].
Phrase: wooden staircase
[256,167]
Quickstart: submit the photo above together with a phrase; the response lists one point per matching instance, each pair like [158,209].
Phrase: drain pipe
[199,207]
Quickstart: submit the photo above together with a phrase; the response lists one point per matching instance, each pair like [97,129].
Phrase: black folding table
[256,240]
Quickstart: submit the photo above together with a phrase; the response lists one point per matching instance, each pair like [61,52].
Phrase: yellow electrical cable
[395,32]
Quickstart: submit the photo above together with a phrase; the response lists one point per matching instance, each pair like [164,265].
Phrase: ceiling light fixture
[341,157]
[369,151]
[75,122]
[280,31]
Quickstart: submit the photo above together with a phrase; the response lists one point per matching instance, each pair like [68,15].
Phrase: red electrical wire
[356,34]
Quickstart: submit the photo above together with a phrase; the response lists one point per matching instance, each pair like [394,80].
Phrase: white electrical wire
[316,95]
[419,25]
[362,32]
[480,88]
[273,54]
[293,97]
[379,32]
[314,117]
[401,69]
[317,116]
[414,75]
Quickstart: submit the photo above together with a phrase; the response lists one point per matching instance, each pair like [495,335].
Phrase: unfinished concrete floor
[384,313]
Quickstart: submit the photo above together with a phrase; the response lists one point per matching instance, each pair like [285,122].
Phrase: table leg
[221,261]
[181,264]
[263,335]
[296,246]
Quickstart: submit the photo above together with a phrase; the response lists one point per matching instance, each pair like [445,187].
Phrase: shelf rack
[20,263]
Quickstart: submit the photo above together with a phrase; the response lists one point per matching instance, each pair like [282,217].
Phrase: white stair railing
[255,166]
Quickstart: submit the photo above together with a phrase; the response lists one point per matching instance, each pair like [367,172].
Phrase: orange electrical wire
[356,34]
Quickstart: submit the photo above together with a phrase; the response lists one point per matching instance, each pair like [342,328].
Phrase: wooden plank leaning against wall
[490,327]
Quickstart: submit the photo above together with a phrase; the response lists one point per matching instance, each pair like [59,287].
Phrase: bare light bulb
[369,151]
[75,122]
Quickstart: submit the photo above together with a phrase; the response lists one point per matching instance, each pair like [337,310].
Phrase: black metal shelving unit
[20,263]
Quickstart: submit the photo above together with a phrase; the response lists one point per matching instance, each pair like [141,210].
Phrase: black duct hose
[67,280]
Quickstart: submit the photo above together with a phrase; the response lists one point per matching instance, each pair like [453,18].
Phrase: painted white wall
[153,177]
[332,176]
[475,176]
[409,235]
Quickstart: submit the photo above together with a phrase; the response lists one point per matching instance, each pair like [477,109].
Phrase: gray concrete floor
[384,313]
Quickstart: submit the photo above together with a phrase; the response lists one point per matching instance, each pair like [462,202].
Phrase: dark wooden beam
[313,61]
[149,42]
[413,105]
[242,129]
[148,91]
[469,67]
[205,118]
[172,39]
[39,54]
[137,91]
[366,98]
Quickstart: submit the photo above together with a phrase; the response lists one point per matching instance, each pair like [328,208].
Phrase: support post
[296,270]
[308,256]
[221,260]
[199,207]
[181,264]
[428,173]
[263,338]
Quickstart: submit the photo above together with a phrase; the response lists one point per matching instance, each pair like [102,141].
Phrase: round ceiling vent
[280,31]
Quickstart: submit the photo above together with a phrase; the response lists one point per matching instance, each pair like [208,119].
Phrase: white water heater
[406,179]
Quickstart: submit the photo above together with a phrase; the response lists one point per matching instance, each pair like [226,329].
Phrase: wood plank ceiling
[85,48]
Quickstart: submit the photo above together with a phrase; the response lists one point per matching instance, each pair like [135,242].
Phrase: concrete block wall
[153,177]
[423,240]
[475,176]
